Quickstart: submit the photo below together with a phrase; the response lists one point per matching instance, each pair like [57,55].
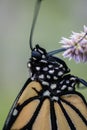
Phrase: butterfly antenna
[37,7]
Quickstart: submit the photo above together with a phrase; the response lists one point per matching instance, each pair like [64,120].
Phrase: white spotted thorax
[51,72]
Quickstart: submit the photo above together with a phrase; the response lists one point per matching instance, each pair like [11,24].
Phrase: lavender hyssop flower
[76,46]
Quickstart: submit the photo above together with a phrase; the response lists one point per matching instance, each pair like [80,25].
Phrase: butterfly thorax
[50,71]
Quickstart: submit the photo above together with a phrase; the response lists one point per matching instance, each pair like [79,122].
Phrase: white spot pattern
[51,73]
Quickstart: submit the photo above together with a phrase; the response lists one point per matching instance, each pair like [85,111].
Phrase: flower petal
[85,29]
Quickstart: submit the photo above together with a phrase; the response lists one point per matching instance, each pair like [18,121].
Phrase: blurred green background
[56,18]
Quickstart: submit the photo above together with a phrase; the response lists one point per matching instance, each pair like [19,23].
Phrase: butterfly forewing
[19,111]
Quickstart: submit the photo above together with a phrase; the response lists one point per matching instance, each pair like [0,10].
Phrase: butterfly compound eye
[36,55]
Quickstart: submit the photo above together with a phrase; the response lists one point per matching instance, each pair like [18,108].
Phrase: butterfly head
[38,54]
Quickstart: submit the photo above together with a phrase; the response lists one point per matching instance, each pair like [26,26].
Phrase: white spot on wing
[72,84]
[34,58]
[46,93]
[41,76]
[70,88]
[50,66]
[55,98]
[51,71]
[72,78]
[43,56]
[53,86]
[38,68]
[60,66]
[58,91]
[56,68]
[45,83]
[60,73]
[63,87]
[62,82]
[45,68]
[15,112]
[67,81]
[55,78]
[29,65]
[32,78]
[43,61]
[48,76]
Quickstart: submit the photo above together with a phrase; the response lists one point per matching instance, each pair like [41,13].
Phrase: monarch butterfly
[48,100]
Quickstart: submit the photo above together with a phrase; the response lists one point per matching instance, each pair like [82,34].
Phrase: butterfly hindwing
[74,112]
[34,111]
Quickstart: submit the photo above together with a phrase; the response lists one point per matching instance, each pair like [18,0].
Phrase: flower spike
[76,46]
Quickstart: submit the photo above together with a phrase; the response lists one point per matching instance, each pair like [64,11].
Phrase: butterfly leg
[82,81]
